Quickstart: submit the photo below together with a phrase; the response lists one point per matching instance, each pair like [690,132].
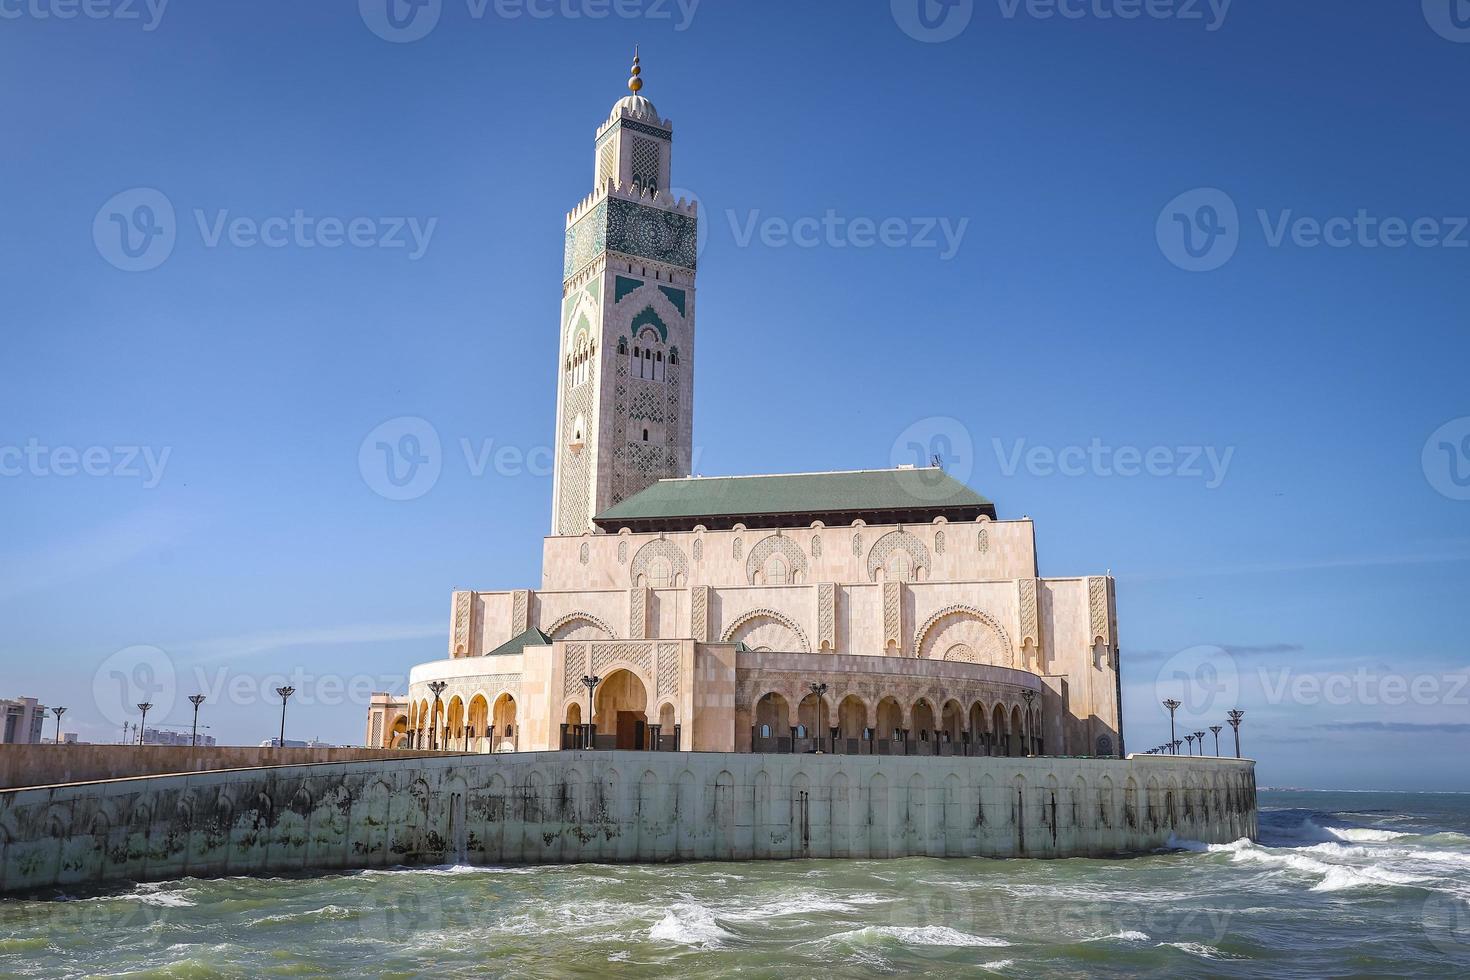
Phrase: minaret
[625,372]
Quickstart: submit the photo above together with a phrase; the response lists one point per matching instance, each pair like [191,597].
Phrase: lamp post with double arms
[1028,697]
[589,730]
[438,688]
[196,700]
[1173,706]
[285,693]
[820,690]
[1234,716]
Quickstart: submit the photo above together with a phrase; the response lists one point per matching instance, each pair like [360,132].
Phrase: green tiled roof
[530,638]
[904,490]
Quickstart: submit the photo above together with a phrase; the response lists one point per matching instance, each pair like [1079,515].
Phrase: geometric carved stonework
[520,617]
[776,544]
[699,613]
[826,616]
[668,670]
[574,669]
[1029,631]
[893,541]
[1097,601]
[459,640]
[893,616]
[638,613]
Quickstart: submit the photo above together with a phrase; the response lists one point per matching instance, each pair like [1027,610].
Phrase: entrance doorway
[621,710]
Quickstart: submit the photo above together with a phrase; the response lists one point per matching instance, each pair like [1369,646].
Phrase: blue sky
[1303,404]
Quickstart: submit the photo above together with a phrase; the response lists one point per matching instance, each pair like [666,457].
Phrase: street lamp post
[59,713]
[284,692]
[590,682]
[438,688]
[819,690]
[143,707]
[196,700]
[1189,740]
[1234,716]
[1173,706]
[1199,739]
[1216,730]
[1028,697]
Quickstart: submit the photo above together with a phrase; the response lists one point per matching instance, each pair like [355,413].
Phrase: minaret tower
[625,392]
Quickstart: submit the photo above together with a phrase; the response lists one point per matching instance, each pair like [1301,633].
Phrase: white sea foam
[996,964]
[921,936]
[689,924]
[153,895]
[1198,949]
[1334,877]
[1130,935]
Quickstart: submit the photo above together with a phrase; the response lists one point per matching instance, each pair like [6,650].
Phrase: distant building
[293,743]
[23,720]
[155,736]
[67,738]
[387,722]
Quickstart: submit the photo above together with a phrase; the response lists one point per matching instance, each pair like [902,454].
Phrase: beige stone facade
[872,612]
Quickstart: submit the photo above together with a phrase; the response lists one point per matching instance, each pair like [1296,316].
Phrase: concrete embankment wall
[47,765]
[613,806]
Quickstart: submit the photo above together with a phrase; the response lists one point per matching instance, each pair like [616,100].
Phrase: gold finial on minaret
[635,84]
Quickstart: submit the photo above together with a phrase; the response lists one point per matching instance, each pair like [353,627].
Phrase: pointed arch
[754,617]
[560,629]
[893,542]
[961,625]
[775,545]
[660,548]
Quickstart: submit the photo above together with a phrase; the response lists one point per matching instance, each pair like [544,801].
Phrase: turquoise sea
[1340,884]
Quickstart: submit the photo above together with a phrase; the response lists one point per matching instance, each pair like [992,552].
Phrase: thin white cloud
[88,553]
[268,641]
[1322,564]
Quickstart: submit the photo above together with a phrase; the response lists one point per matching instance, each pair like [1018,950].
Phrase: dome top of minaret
[636,103]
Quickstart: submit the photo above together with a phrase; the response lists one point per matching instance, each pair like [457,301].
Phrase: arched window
[776,571]
[899,567]
[660,573]
[645,435]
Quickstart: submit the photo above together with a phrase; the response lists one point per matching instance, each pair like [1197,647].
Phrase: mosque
[883,612]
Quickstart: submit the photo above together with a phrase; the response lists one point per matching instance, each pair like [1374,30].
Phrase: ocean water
[1339,884]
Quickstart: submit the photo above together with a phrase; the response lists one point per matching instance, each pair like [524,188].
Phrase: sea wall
[610,807]
[47,765]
